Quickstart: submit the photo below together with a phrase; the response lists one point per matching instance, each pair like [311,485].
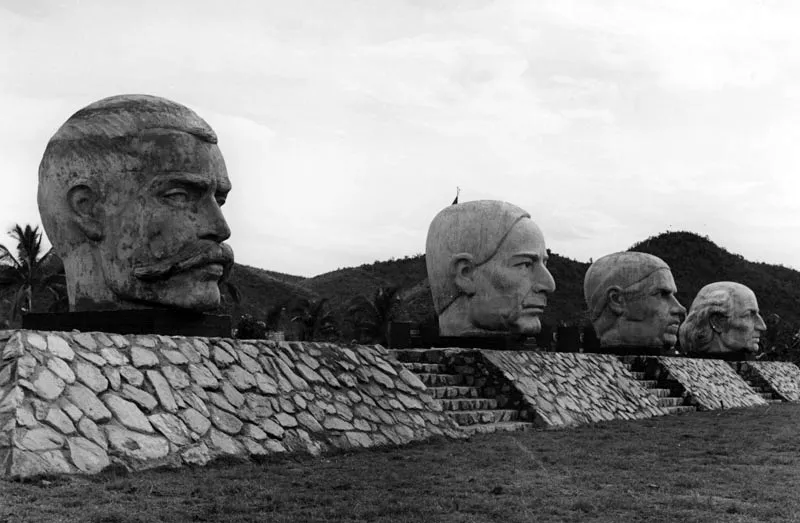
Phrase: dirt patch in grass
[737,465]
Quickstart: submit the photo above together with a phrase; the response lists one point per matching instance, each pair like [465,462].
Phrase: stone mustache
[487,268]
[631,301]
[130,195]
[723,319]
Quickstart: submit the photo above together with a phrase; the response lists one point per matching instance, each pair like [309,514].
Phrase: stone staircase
[762,388]
[668,392]
[461,399]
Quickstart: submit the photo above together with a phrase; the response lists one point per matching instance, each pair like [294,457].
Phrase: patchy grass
[740,466]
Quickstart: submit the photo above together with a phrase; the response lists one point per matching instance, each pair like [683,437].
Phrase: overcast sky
[346,125]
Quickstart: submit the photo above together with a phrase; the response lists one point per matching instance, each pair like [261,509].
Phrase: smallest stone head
[724,318]
[487,268]
[631,301]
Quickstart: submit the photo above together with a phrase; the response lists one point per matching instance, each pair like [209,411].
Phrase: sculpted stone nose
[214,226]
[543,280]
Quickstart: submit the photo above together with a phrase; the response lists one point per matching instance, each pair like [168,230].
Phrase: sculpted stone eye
[177,195]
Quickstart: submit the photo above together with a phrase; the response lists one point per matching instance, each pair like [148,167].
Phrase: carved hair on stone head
[714,299]
[93,146]
[627,271]
[478,228]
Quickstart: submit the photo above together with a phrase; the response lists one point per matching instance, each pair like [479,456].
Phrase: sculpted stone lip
[197,256]
[533,308]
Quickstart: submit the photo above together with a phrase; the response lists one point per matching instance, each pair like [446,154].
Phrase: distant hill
[695,261]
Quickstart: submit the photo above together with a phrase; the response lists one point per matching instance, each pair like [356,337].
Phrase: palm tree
[27,272]
[315,320]
[370,318]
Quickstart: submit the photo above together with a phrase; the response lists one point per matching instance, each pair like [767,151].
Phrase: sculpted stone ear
[616,300]
[718,322]
[84,205]
[462,269]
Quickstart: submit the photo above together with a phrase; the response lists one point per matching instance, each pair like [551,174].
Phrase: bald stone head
[487,267]
[631,301]
[130,190]
[724,318]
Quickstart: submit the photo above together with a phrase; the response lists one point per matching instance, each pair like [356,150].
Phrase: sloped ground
[737,465]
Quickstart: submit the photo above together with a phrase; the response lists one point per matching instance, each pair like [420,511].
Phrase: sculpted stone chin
[130,190]
[487,267]
[631,301]
[723,319]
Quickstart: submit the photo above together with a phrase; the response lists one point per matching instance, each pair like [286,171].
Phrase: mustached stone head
[723,319]
[130,190]
[487,268]
[631,301]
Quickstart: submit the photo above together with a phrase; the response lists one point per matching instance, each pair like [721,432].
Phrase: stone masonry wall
[783,377]
[710,384]
[77,402]
[570,388]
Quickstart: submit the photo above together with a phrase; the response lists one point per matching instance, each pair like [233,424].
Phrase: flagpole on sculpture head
[458,191]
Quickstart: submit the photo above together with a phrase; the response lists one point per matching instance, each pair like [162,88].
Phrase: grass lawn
[736,465]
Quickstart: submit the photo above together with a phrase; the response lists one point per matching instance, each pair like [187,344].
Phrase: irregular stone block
[83,398]
[135,445]
[127,413]
[47,385]
[61,369]
[138,396]
[171,427]
[163,391]
[91,376]
[38,439]
[195,421]
[142,357]
[225,421]
[87,456]
[59,347]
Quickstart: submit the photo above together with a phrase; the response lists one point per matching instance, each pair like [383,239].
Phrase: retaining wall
[77,402]
[710,384]
[783,377]
[568,388]
[549,388]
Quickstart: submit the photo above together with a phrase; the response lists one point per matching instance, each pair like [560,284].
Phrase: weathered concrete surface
[631,301]
[486,264]
[723,319]
[130,189]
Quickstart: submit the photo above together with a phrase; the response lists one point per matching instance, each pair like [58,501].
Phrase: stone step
[440,380]
[649,384]
[766,395]
[473,417]
[427,368]
[469,404]
[407,355]
[681,409]
[775,401]
[504,426]
[660,393]
[454,392]
[638,375]
[670,402]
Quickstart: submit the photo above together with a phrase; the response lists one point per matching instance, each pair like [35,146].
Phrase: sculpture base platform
[486,342]
[168,322]
[629,350]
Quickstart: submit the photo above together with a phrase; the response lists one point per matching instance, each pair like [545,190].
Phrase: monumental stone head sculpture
[723,318]
[487,268]
[130,190]
[631,301]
